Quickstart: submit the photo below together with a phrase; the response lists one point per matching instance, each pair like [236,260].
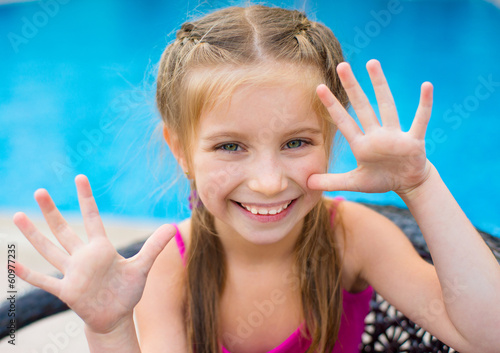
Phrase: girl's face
[252,157]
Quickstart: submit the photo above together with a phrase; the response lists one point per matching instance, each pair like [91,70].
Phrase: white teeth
[264,211]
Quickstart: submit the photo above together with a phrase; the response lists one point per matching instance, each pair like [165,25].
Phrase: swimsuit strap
[180,244]
[336,201]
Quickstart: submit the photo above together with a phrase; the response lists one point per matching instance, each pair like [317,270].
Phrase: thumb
[154,246]
[332,182]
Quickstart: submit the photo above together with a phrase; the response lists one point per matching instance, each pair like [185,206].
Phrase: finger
[153,247]
[37,279]
[332,182]
[424,110]
[386,105]
[90,213]
[357,97]
[64,234]
[45,247]
[344,122]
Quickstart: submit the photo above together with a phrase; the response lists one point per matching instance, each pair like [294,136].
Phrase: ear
[175,146]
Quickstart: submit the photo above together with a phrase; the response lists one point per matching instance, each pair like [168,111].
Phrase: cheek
[214,179]
[313,164]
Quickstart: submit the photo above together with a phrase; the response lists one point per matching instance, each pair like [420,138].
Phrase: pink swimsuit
[356,306]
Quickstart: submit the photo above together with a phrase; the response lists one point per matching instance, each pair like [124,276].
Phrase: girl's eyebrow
[238,135]
[224,135]
[306,130]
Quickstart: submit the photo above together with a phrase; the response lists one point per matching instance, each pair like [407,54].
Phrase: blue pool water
[76,96]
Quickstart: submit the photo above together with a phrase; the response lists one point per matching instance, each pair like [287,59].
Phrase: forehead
[261,108]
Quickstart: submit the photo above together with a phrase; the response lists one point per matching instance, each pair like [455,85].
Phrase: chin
[264,237]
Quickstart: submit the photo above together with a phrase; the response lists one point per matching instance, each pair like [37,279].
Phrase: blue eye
[294,144]
[230,147]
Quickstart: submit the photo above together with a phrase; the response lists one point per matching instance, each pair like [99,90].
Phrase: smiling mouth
[263,210]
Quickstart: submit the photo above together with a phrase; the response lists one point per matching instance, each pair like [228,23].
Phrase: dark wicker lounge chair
[387,330]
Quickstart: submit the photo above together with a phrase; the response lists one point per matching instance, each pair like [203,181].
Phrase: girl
[250,100]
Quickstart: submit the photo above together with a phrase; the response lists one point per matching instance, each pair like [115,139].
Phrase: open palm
[101,286]
[387,158]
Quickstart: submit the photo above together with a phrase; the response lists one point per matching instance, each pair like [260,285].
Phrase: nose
[267,176]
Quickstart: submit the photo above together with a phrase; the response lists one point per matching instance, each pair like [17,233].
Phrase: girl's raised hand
[388,158]
[101,286]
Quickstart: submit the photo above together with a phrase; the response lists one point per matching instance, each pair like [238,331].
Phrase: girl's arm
[456,300]
[468,272]
[160,315]
[99,285]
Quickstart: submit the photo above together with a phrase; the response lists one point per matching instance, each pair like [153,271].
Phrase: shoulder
[368,235]
[370,245]
[159,314]
[384,257]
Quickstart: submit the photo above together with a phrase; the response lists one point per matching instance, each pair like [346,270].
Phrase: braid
[304,24]
[187,33]
[301,35]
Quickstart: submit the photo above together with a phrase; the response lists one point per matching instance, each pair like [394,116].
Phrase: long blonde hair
[209,59]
